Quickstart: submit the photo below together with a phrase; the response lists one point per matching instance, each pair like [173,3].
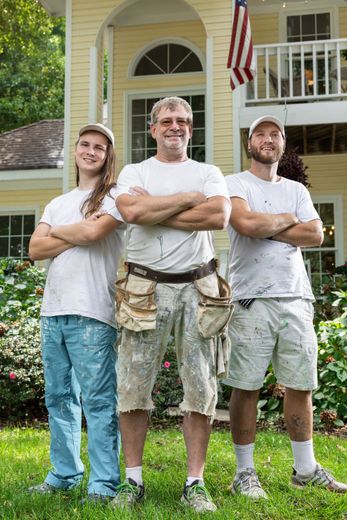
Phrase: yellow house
[122,55]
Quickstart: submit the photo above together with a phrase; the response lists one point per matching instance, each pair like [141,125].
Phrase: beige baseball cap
[266,119]
[98,127]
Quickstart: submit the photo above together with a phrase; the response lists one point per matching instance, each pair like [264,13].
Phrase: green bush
[21,371]
[21,289]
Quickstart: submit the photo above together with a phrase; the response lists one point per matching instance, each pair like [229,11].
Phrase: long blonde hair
[106,181]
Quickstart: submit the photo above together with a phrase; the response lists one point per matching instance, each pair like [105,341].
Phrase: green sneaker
[128,494]
[247,483]
[198,498]
[320,477]
[43,489]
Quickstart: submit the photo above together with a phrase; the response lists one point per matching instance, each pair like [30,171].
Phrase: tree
[292,167]
[31,64]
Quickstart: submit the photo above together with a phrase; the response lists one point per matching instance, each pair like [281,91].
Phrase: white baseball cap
[266,119]
[98,127]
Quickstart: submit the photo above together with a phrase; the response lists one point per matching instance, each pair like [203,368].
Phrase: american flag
[241,59]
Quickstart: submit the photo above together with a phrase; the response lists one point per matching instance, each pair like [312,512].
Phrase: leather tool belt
[160,277]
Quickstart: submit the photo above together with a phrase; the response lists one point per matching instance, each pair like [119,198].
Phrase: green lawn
[24,460]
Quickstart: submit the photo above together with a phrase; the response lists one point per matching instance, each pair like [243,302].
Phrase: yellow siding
[327,175]
[342,22]
[24,198]
[265,28]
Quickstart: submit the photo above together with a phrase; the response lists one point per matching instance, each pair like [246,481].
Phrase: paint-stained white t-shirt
[262,268]
[162,248]
[81,280]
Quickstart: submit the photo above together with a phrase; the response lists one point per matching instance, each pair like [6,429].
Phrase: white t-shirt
[81,279]
[262,268]
[162,248]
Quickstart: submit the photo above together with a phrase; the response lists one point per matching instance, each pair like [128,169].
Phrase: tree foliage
[292,167]
[31,64]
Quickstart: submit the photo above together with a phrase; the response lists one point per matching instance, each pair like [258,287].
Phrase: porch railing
[298,72]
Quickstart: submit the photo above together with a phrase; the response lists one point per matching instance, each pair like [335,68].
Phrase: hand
[96,215]
[195,197]
[137,190]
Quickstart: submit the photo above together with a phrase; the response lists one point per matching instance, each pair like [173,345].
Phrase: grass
[24,460]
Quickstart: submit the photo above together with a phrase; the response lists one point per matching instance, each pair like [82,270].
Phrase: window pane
[329,236]
[16,247]
[293,26]
[145,68]
[314,259]
[198,103]
[139,123]
[138,155]
[16,224]
[326,213]
[319,138]
[308,25]
[4,225]
[29,224]
[316,283]
[3,246]
[198,137]
[159,55]
[191,64]
[138,141]
[198,153]
[323,24]
[199,120]
[177,53]
[328,261]
[25,247]
[138,106]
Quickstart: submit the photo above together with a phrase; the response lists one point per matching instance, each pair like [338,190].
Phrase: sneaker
[42,489]
[320,477]
[96,498]
[247,483]
[197,497]
[128,494]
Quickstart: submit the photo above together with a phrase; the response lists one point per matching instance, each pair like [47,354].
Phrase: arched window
[168,58]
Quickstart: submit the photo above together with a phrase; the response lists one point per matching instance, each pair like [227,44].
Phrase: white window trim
[145,94]
[301,10]
[337,200]
[163,41]
[21,210]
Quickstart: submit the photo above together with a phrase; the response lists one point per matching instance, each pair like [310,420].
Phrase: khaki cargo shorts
[170,310]
[277,330]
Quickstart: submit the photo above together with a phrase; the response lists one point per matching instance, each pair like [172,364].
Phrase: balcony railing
[299,72]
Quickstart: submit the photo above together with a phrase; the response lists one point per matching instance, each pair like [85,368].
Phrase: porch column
[93,84]
[110,39]
[209,117]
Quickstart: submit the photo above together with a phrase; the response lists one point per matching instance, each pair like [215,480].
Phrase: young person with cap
[81,232]
[271,219]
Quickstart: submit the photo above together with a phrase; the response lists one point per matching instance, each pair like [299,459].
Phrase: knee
[239,395]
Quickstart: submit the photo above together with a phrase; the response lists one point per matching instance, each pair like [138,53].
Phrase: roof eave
[54,7]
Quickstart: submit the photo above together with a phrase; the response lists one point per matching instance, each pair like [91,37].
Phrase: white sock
[244,456]
[135,474]
[304,459]
[190,480]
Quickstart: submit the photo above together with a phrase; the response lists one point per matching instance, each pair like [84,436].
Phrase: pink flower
[12,375]
[167,364]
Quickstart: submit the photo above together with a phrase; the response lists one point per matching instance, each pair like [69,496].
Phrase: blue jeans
[79,360]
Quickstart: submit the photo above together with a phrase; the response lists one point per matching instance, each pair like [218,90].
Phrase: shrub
[21,289]
[21,371]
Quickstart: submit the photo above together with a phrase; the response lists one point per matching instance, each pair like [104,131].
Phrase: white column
[209,116]
[67,99]
[93,84]
[110,37]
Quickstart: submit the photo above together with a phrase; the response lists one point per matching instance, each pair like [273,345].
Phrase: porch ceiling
[54,7]
[155,11]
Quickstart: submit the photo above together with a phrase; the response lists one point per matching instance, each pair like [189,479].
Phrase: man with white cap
[271,219]
[81,233]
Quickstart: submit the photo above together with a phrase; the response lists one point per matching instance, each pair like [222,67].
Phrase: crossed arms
[47,241]
[187,211]
[283,227]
